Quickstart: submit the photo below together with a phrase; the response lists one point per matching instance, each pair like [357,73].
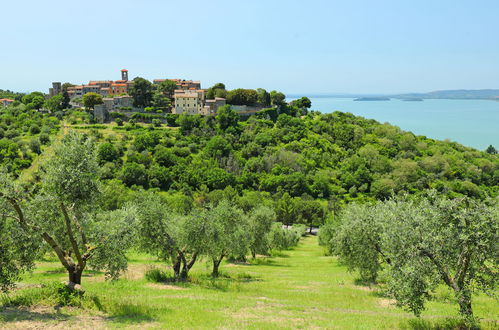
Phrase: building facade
[102,87]
[6,102]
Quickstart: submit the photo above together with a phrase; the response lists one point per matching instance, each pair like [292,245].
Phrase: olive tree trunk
[216,265]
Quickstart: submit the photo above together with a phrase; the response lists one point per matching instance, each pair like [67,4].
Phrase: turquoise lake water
[473,123]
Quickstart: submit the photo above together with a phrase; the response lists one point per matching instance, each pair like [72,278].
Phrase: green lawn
[300,288]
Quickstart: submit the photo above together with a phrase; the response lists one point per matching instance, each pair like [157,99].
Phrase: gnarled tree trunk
[216,265]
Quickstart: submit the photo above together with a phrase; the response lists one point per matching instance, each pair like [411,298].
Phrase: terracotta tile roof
[8,100]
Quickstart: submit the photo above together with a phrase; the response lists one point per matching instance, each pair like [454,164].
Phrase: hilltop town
[163,96]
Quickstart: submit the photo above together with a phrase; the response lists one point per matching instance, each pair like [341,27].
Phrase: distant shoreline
[462,94]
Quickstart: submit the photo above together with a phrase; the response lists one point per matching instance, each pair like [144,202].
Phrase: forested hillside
[334,157]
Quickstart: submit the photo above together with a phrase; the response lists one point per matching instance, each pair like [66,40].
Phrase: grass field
[300,288]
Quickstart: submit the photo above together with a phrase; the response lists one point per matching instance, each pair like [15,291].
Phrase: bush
[282,238]
[156,275]
[34,145]
[54,293]
[300,229]
[44,138]
[34,129]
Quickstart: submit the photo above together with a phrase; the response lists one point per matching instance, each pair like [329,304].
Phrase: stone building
[55,89]
[189,102]
[211,106]
[6,102]
[182,84]
[102,87]
[194,102]
[112,104]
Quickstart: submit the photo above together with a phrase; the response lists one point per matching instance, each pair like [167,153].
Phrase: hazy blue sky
[295,46]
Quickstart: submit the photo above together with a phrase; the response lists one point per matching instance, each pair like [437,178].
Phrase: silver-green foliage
[423,243]
[357,240]
[62,211]
[227,233]
[260,220]
[18,250]
[177,238]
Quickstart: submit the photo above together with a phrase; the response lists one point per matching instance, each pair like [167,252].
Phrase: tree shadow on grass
[223,282]
[129,312]
[265,262]
[18,314]
[281,254]
[439,324]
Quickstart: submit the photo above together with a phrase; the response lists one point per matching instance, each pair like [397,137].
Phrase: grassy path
[27,174]
[301,288]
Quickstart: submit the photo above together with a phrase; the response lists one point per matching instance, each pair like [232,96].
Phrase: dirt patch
[47,318]
[164,286]
[136,271]
[363,288]
[386,302]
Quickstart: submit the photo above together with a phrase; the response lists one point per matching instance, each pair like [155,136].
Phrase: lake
[473,123]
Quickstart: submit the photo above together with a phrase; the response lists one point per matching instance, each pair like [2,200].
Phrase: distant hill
[457,94]
[462,94]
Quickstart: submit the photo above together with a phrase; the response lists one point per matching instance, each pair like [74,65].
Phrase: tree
[18,249]
[260,222]
[165,157]
[263,97]
[286,209]
[64,215]
[309,212]
[302,103]
[170,236]
[277,98]
[242,96]
[436,241]
[54,103]
[142,92]
[34,100]
[134,174]
[217,90]
[491,150]
[188,123]
[423,243]
[107,152]
[90,100]
[226,117]
[356,240]
[167,88]
[160,101]
[218,147]
[65,100]
[227,233]
[35,146]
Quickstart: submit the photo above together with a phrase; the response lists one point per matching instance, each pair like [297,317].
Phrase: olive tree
[62,211]
[260,221]
[171,236]
[423,243]
[18,250]
[227,233]
[436,241]
[356,240]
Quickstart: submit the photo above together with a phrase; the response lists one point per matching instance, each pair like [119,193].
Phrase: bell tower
[124,74]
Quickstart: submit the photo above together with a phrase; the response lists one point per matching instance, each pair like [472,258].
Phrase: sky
[296,47]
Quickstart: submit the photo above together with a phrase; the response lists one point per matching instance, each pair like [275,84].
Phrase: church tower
[124,74]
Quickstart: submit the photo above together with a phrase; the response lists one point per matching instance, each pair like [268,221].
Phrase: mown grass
[300,288]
